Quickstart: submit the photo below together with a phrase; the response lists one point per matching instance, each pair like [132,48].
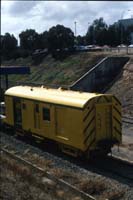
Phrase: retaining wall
[101,75]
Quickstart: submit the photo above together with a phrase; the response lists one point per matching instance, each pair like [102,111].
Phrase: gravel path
[125,150]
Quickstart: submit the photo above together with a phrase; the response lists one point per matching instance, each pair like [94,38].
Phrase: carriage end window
[46,114]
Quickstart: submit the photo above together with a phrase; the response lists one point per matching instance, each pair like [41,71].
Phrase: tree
[28,40]
[80,40]
[127,35]
[114,35]
[43,40]
[118,34]
[8,46]
[60,37]
[90,35]
[97,32]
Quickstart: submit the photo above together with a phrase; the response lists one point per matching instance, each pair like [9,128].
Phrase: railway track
[110,167]
[116,166]
[48,175]
[111,164]
[127,120]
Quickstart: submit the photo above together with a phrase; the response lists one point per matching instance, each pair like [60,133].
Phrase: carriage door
[104,121]
[61,121]
[36,116]
[17,113]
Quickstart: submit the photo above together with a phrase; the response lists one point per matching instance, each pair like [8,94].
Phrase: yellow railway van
[78,122]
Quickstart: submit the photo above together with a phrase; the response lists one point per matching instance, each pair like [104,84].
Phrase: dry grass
[63,174]
[57,172]
[18,169]
[21,182]
[114,195]
[41,162]
[92,187]
[89,186]
[25,174]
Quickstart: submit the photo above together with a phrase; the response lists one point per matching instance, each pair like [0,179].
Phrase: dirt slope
[123,88]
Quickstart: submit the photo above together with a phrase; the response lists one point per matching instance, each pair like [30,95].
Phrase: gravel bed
[113,184]
[125,150]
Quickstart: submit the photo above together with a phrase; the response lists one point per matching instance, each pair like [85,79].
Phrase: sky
[17,16]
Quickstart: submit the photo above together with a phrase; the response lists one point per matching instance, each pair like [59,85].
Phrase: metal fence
[123,50]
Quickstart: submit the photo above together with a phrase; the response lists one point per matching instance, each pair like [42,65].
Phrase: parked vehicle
[130,46]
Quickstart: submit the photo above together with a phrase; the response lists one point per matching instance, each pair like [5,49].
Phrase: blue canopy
[5,70]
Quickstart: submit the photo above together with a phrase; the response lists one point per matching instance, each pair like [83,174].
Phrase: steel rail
[124,161]
[126,117]
[117,166]
[128,174]
[127,121]
[48,175]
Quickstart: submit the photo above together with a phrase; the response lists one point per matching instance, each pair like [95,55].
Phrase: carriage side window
[46,114]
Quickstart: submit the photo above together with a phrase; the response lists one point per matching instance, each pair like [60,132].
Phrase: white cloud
[17,16]
[22,8]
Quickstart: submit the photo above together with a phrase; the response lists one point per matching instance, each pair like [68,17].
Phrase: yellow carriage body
[77,120]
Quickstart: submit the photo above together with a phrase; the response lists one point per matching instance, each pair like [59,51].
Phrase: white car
[130,46]
[2,113]
[2,109]
[2,117]
[122,46]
